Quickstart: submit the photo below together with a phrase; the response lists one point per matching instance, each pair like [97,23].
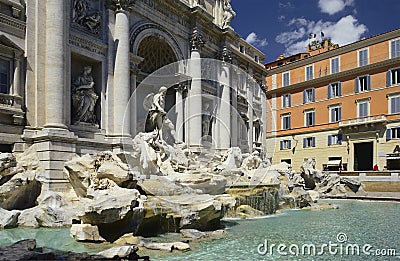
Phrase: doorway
[363,156]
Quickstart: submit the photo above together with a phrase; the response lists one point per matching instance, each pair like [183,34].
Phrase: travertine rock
[86,232]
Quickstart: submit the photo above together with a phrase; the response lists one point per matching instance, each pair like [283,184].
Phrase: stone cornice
[12,25]
[334,77]
[341,50]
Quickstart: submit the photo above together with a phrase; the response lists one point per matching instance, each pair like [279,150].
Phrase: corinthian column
[121,95]
[55,79]
[194,95]
[224,111]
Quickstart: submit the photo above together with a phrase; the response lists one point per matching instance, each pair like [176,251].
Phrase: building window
[309,118]
[256,58]
[393,133]
[4,76]
[309,142]
[285,144]
[363,57]
[285,122]
[309,95]
[286,100]
[334,90]
[285,79]
[362,83]
[363,109]
[335,65]
[309,72]
[335,114]
[395,48]
[393,77]
[241,48]
[334,139]
[394,104]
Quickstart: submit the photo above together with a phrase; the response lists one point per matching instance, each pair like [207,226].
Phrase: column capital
[226,55]
[196,41]
[182,86]
[120,5]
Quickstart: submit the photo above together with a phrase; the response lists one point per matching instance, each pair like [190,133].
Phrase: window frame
[311,142]
[9,64]
[285,144]
[312,72]
[331,67]
[330,90]
[390,97]
[305,95]
[389,77]
[338,137]
[333,107]
[390,48]
[313,118]
[357,83]
[283,79]
[358,56]
[363,101]
[289,100]
[289,122]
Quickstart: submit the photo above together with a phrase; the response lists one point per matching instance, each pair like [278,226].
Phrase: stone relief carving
[196,40]
[226,55]
[120,5]
[84,98]
[87,15]
[228,15]
[207,119]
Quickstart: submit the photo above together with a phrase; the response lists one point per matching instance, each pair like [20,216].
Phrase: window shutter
[339,114]
[290,144]
[332,115]
[329,91]
[288,122]
[368,82]
[304,142]
[340,88]
[304,96]
[357,85]
[388,78]
[313,118]
[340,138]
[313,94]
[290,100]
[388,134]
[281,144]
[313,141]
[393,49]
[393,105]
[329,140]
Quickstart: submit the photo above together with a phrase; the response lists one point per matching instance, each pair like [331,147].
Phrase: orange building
[338,105]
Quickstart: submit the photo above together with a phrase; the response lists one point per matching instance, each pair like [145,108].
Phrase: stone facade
[47,45]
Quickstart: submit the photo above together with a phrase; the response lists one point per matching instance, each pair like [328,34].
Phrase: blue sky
[283,26]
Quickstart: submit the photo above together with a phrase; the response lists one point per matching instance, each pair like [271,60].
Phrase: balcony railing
[380,118]
[7,100]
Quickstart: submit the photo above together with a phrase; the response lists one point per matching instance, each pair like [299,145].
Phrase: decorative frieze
[165,9]
[87,44]
[17,26]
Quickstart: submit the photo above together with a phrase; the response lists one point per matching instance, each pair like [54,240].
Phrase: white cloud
[253,39]
[342,32]
[333,6]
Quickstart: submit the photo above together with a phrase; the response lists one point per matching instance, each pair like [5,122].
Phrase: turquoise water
[373,223]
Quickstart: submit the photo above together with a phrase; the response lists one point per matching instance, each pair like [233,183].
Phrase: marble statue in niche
[207,120]
[228,14]
[84,98]
[87,16]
